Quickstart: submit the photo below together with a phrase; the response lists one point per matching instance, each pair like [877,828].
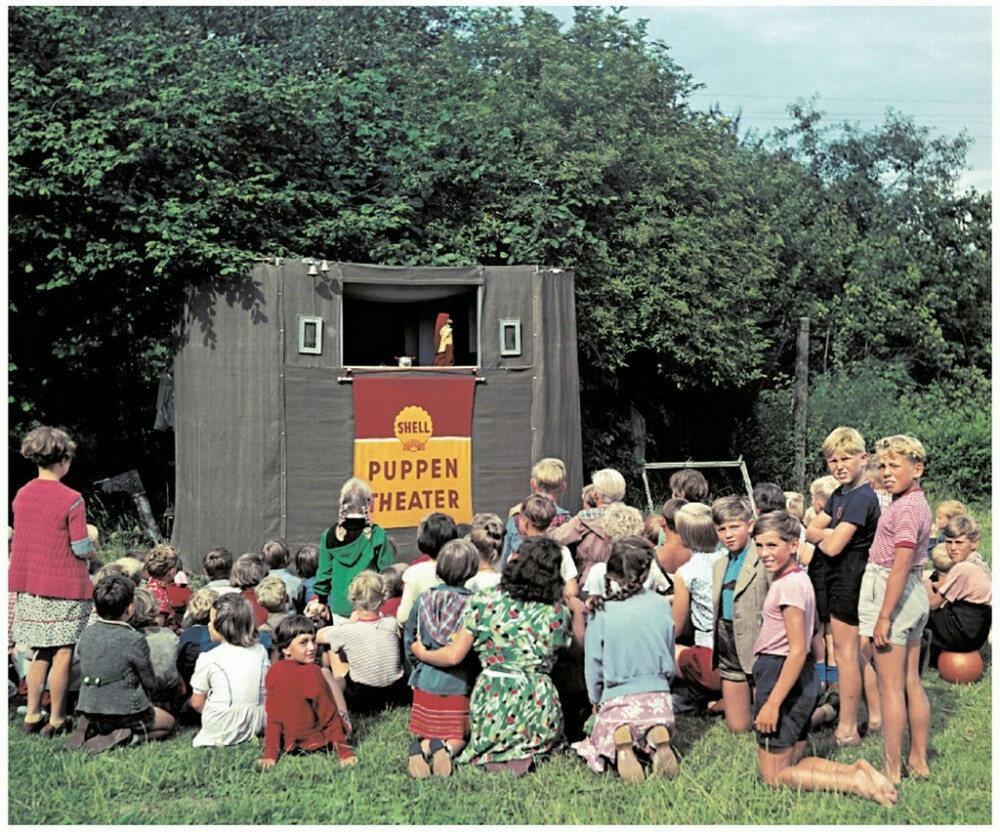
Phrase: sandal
[626,762]
[664,759]
[417,766]
[442,757]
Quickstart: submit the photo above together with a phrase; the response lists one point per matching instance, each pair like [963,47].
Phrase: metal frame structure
[659,466]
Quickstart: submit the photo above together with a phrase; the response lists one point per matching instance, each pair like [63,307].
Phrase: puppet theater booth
[290,380]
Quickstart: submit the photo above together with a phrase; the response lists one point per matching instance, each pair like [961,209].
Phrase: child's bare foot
[894,777]
[879,788]
[850,741]
[348,761]
[918,769]
[874,726]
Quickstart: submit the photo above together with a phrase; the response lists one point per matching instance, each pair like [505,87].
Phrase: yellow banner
[410,481]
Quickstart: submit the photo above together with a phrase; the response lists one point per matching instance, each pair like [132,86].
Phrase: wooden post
[800,403]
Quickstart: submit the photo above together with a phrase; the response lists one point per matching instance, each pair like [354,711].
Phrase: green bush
[952,418]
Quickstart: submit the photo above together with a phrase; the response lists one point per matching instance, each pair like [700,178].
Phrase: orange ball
[961,668]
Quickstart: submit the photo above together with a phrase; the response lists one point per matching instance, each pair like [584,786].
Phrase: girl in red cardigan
[48,572]
[301,711]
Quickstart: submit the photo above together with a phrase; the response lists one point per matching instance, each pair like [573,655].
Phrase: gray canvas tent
[264,416]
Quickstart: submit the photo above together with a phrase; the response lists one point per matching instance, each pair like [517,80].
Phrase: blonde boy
[894,607]
[843,533]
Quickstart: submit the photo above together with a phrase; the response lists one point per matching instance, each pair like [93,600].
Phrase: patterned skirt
[40,621]
[442,717]
[639,711]
[516,715]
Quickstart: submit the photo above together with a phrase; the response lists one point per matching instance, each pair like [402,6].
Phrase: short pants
[727,660]
[907,621]
[795,711]
[140,723]
[843,575]
[817,577]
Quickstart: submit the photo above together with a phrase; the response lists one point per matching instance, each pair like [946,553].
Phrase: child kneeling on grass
[302,714]
[117,676]
[787,687]
[629,651]
[440,716]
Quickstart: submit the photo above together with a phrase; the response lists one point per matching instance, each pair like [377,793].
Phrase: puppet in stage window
[444,347]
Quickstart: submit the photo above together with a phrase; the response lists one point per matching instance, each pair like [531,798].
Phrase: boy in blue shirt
[843,534]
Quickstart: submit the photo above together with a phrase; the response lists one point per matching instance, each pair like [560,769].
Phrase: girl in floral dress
[516,629]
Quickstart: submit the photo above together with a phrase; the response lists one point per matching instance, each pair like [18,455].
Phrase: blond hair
[823,487]
[950,508]
[962,524]
[144,609]
[621,521]
[549,474]
[696,527]
[795,504]
[272,594]
[610,483]
[940,559]
[902,445]
[199,605]
[843,440]
[131,569]
[367,591]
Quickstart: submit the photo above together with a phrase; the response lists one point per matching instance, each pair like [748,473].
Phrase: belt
[101,681]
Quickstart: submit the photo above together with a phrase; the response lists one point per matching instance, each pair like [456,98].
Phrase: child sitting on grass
[248,571]
[163,642]
[961,599]
[302,714]
[114,704]
[369,668]
[276,556]
[306,564]
[787,688]
[272,594]
[440,716]
[195,639]
[162,564]
[228,682]
[629,651]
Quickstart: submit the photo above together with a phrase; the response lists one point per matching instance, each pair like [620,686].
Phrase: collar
[786,574]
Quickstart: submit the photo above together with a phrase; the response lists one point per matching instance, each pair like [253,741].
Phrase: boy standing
[739,586]
[843,533]
[894,607]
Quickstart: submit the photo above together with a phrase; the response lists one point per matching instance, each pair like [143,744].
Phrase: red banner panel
[413,444]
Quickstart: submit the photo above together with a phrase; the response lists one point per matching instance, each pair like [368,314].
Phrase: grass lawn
[173,783]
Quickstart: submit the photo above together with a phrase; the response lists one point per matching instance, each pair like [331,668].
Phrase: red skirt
[441,717]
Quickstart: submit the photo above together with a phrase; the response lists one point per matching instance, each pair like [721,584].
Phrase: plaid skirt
[441,717]
[40,621]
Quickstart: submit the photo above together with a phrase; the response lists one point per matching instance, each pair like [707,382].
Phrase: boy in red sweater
[302,714]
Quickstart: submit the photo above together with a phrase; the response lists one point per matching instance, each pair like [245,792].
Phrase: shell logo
[413,427]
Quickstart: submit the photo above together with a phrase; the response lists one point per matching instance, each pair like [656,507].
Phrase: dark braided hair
[628,567]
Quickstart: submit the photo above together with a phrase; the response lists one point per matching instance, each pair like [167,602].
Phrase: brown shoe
[104,742]
[27,728]
[50,730]
[80,735]
[629,768]
[664,759]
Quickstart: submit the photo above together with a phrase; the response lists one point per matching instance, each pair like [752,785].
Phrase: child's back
[232,677]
